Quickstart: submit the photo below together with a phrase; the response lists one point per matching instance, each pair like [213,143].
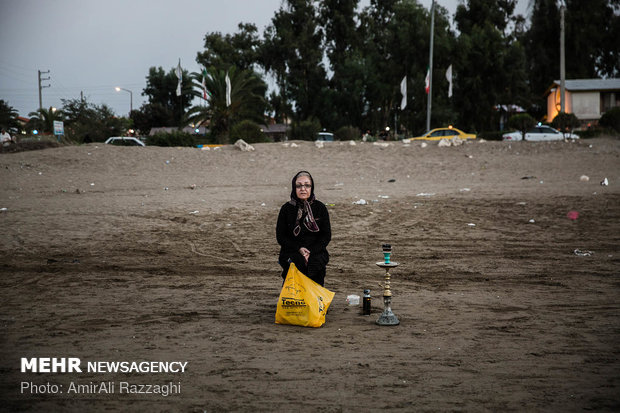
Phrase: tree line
[340,67]
[335,66]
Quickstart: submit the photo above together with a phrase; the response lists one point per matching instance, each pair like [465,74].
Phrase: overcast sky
[91,46]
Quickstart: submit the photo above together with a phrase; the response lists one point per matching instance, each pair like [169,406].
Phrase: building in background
[588,99]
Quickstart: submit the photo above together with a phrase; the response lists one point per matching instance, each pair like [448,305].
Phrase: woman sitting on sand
[303,230]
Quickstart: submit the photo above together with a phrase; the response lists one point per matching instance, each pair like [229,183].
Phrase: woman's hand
[305,252]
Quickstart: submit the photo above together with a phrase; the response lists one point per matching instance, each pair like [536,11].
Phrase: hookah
[387,318]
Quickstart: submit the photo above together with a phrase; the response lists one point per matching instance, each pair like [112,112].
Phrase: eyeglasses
[299,186]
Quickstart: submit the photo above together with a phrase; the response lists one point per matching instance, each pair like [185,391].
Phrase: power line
[15,72]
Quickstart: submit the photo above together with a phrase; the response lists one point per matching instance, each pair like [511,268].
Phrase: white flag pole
[180,77]
[228,100]
[403,91]
[449,79]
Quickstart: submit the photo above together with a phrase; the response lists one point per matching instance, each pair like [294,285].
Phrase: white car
[539,133]
[325,137]
[124,141]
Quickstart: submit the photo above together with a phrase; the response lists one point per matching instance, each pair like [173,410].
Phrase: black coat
[316,242]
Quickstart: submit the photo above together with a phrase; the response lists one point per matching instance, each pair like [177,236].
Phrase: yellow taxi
[444,133]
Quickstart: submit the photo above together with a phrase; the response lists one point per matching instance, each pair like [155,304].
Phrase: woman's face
[303,187]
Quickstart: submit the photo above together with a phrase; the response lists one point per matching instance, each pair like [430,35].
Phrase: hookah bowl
[387,252]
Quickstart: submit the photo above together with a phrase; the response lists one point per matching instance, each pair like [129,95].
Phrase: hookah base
[388,318]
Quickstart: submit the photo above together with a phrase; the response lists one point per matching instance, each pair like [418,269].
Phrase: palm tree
[246,100]
[44,119]
[8,116]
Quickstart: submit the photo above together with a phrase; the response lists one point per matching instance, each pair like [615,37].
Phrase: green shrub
[611,119]
[522,122]
[249,131]
[369,138]
[595,132]
[207,139]
[176,138]
[219,137]
[29,144]
[491,135]
[565,122]
[348,133]
[306,130]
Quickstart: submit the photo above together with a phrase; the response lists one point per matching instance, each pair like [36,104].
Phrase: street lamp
[118,89]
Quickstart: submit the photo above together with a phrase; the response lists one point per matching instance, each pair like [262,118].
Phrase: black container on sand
[366,303]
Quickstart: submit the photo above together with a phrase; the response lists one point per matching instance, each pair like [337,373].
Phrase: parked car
[539,133]
[325,137]
[444,133]
[124,141]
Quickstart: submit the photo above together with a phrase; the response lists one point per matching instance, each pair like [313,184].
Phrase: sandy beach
[169,254]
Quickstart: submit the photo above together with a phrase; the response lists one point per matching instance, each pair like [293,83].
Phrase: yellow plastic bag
[302,302]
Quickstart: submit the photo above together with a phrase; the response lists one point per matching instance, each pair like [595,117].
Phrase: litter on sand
[583,253]
[243,145]
[360,202]
[450,142]
[605,182]
[353,300]
[572,215]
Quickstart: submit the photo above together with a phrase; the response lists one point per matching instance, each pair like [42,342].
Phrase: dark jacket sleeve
[284,236]
[325,230]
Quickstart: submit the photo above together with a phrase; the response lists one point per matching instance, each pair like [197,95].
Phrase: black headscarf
[304,212]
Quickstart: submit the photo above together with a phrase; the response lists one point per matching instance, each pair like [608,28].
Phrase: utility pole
[562,62]
[41,87]
[430,70]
